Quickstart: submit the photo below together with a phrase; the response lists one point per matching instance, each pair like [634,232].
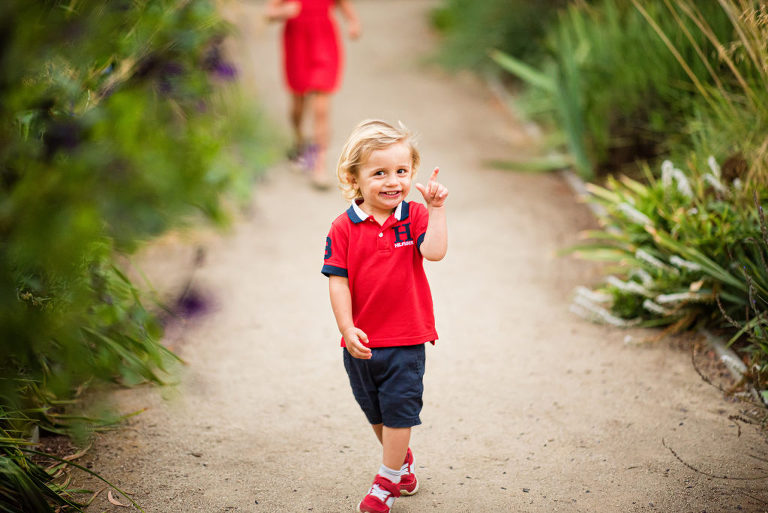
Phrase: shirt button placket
[383,242]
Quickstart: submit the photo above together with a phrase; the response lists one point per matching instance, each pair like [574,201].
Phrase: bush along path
[527,406]
[689,236]
[110,129]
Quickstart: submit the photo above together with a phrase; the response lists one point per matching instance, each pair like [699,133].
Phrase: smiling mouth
[391,194]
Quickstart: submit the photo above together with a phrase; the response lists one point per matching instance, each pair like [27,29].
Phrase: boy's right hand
[354,339]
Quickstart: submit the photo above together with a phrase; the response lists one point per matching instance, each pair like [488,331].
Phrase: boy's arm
[350,15]
[279,10]
[341,303]
[435,243]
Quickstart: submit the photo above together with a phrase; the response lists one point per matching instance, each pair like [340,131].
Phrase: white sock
[392,475]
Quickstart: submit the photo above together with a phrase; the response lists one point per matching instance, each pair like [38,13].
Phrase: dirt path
[527,407]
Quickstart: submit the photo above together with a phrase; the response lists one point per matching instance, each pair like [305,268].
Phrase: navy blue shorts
[388,387]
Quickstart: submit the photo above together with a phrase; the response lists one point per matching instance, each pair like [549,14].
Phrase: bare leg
[395,441]
[377,429]
[297,117]
[321,105]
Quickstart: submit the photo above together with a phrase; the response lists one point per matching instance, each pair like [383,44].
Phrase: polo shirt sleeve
[336,246]
[419,220]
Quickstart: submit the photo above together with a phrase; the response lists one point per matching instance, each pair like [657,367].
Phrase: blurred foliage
[120,121]
[730,108]
[700,214]
[471,29]
[610,86]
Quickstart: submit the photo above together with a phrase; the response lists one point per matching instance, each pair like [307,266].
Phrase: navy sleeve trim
[419,240]
[329,270]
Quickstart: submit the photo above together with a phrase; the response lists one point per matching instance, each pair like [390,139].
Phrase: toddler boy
[379,291]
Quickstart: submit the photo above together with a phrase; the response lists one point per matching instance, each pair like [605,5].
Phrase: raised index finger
[433,177]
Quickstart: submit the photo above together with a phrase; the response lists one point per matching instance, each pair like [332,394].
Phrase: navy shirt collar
[357,215]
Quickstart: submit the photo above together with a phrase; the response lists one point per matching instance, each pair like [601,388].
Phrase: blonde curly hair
[367,137]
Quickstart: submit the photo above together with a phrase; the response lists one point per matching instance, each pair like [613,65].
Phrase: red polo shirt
[391,300]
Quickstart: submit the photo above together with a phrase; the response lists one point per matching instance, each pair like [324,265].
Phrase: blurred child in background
[313,61]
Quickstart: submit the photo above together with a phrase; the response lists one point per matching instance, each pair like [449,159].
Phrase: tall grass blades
[685,246]
[620,95]
[732,118]
[24,485]
[754,325]
[24,488]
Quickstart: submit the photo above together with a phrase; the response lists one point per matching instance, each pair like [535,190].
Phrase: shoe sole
[413,492]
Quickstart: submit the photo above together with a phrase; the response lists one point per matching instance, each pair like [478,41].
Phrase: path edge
[728,356]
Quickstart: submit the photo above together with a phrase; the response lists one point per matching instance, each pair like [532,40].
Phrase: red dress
[311,48]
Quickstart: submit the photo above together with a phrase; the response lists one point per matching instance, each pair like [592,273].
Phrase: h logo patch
[402,233]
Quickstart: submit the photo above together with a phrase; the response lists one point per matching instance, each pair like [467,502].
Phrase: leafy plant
[754,325]
[678,248]
[119,122]
[470,28]
[730,116]
[27,486]
[610,84]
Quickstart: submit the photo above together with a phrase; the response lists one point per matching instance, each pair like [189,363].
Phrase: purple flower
[224,71]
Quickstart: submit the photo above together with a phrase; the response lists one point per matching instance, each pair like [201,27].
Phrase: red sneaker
[380,497]
[408,482]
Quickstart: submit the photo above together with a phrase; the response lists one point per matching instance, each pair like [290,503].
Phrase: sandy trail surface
[527,407]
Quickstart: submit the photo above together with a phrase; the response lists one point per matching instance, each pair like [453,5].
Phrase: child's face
[385,178]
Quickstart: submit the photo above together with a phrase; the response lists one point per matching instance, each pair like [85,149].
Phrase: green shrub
[611,84]
[729,115]
[694,226]
[471,28]
[753,328]
[673,243]
[118,123]
[685,250]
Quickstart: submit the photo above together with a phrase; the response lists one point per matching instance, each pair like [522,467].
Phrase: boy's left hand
[434,192]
